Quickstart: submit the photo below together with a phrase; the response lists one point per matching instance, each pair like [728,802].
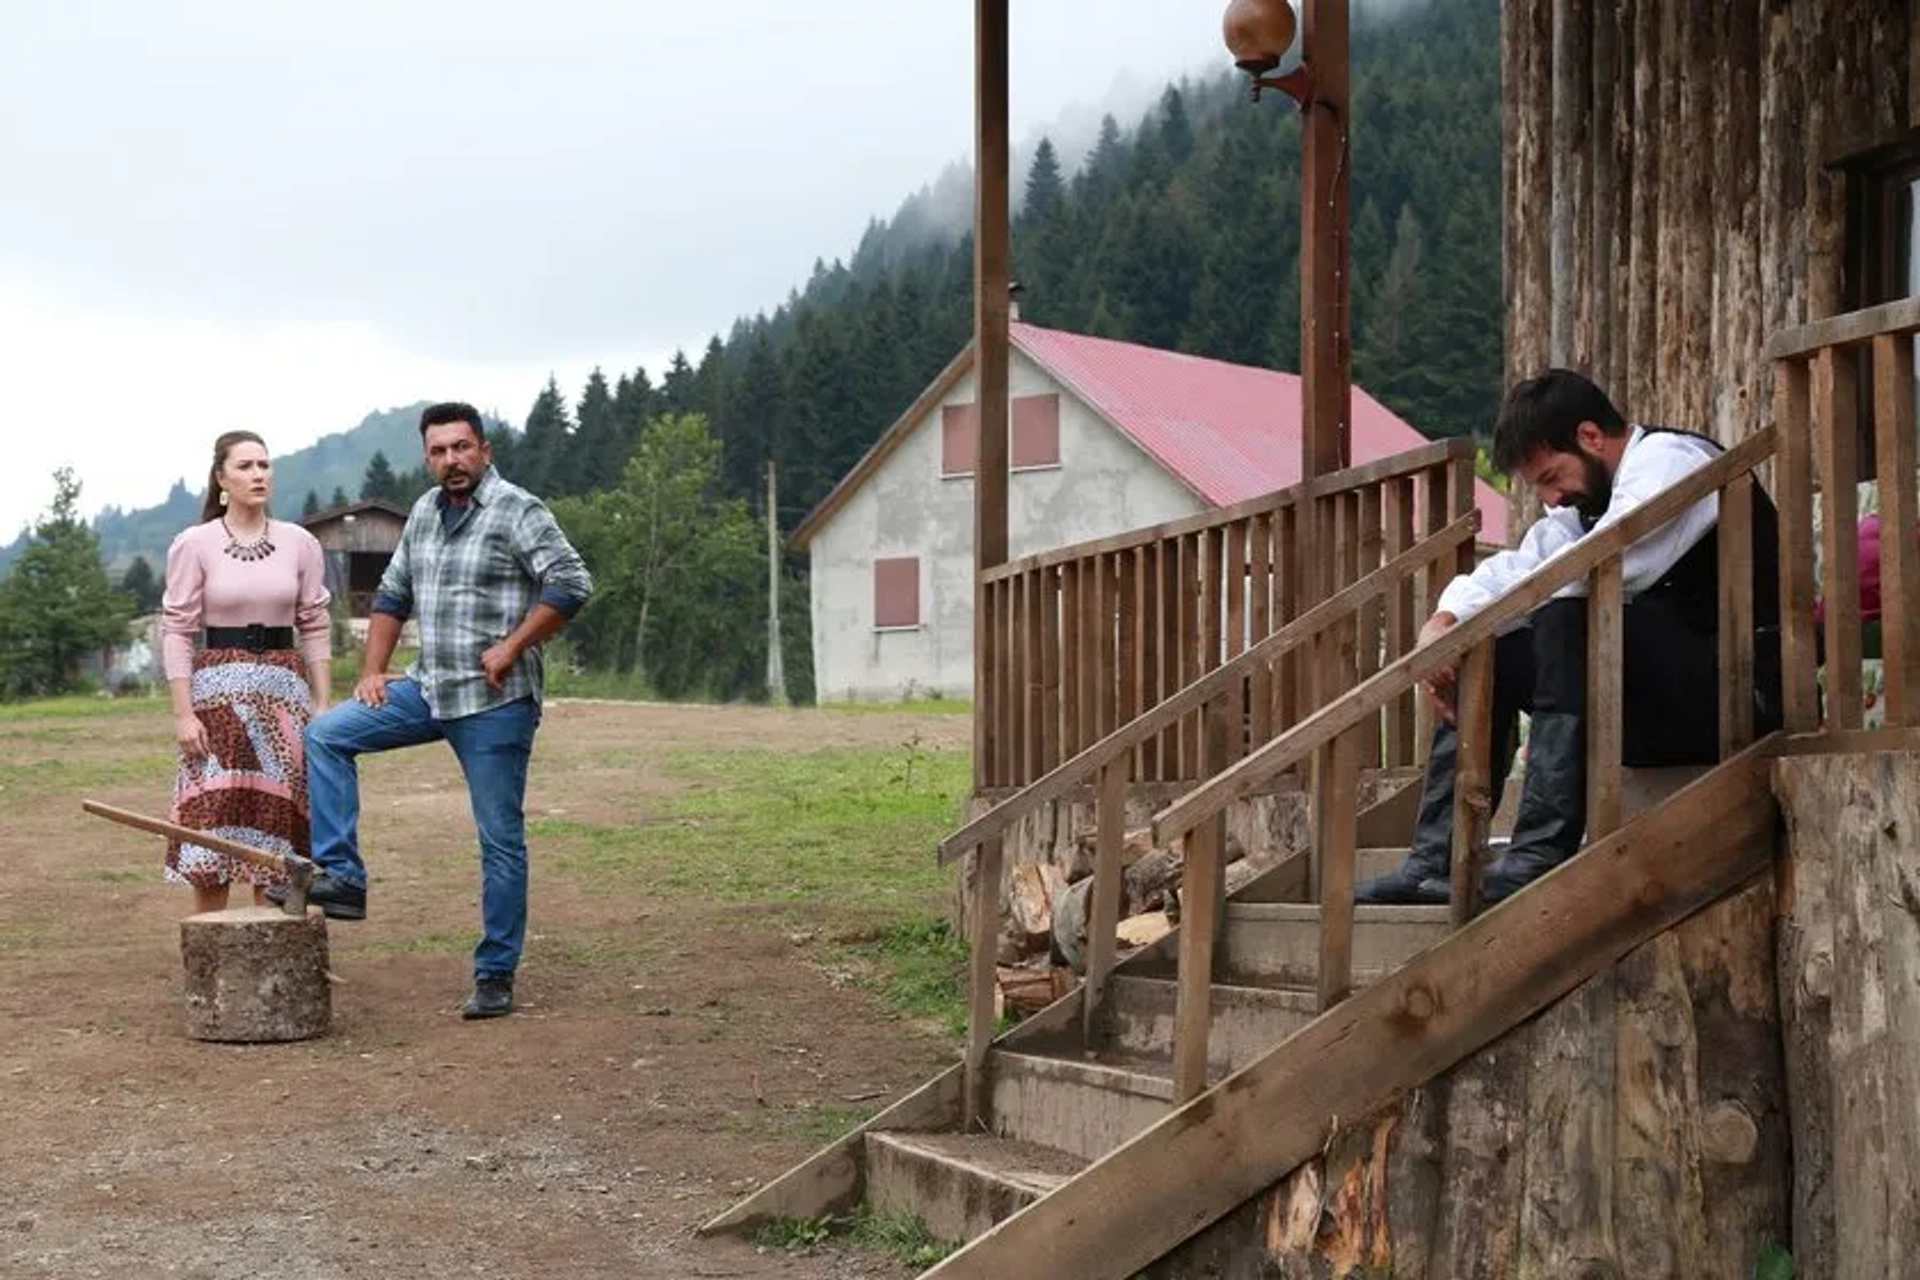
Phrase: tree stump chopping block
[256,975]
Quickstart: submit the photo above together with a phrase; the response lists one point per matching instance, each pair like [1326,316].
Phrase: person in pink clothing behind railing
[245,645]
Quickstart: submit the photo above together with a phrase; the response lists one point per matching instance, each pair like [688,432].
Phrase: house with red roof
[1106,437]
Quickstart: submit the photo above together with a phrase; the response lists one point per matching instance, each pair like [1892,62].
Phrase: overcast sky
[223,215]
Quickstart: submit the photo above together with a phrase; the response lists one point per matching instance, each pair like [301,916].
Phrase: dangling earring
[223,497]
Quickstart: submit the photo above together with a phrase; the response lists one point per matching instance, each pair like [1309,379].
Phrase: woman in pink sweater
[245,643]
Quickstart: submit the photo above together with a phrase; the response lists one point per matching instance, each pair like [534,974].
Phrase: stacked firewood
[1046,909]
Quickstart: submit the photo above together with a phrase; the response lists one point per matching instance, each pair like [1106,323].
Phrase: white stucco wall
[1103,485]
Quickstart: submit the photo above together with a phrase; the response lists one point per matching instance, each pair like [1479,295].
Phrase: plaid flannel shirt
[472,584]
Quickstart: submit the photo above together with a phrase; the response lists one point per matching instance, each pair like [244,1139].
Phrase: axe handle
[205,839]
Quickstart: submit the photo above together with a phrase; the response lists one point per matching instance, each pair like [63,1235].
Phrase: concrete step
[1138,1019]
[1277,944]
[1083,1108]
[960,1185]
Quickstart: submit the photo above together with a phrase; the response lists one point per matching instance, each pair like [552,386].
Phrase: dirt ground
[638,1091]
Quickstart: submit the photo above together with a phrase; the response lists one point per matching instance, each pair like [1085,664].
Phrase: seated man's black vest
[1692,587]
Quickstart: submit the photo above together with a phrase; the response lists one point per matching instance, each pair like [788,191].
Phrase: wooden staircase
[1171,1087]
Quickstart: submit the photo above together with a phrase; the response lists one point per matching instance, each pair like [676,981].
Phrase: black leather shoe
[491,998]
[336,900]
[1408,885]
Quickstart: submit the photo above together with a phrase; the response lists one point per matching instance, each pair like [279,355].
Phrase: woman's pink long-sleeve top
[206,587]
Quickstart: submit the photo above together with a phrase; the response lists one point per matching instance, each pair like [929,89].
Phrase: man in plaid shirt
[489,575]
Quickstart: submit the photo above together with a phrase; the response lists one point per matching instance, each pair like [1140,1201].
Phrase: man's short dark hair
[1546,413]
[445,415]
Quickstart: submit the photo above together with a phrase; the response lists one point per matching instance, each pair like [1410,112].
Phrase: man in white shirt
[1560,434]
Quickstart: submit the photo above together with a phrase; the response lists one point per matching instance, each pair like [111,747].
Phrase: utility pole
[776,664]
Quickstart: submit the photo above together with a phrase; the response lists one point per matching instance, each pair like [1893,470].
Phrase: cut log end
[255,975]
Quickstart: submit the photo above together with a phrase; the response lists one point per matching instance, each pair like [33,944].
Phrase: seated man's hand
[1443,685]
[371,689]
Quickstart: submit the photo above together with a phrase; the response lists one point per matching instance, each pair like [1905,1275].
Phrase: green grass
[423,944]
[816,1123]
[564,682]
[901,1236]
[829,829]
[923,706]
[56,776]
[840,838]
[76,706]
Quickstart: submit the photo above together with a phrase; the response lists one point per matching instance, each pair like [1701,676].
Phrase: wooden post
[991,315]
[1899,555]
[1400,621]
[1736,618]
[1473,779]
[1325,339]
[1606,612]
[982,979]
[1794,491]
[1104,912]
[1837,442]
[1335,811]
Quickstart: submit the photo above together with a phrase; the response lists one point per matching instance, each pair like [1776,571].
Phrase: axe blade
[299,881]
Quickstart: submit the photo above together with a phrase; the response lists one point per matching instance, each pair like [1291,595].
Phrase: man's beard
[1599,491]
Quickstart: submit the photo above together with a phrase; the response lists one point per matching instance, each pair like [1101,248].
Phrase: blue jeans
[493,747]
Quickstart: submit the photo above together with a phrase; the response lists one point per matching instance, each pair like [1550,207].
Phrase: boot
[1430,860]
[1552,820]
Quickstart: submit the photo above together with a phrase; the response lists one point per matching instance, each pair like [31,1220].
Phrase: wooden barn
[358,538]
[1688,1052]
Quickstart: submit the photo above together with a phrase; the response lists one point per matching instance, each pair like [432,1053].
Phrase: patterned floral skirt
[252,784]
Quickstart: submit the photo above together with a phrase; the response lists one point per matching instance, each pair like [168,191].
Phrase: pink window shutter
[896,592]
[959,429]
[1036,431]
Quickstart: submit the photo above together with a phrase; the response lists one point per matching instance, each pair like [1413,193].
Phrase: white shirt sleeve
[1653,462]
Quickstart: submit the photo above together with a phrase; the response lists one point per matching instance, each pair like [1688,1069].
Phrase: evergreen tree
[546,443]
[599,445]
[676,389]
[339,498]
[379,483]
[1045,188]
[141,585]
[57,606]
[311,506]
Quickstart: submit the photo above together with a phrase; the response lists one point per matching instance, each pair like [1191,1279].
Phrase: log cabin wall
[1667,201]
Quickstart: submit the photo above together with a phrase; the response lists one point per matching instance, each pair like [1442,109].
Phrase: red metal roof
[1229,432]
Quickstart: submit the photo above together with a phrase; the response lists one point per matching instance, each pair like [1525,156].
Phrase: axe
[298,869]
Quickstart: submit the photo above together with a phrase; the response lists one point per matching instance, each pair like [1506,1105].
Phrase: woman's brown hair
[212,508]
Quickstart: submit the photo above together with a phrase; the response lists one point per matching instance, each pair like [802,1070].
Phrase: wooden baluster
[1051,681]
[1147,573]
[1793,485]
[1193,631]
[1073,660]
[1007,665]
[1899,516]
[1233,584]
[1260,589]
[1202,885]
[982,980]
[1126,581]
[1288,699]
[1400,621]
[1736,617]
[1100,653]
[986,767]
[1606,632]
[1837,438]
[1336,779]
[1103,912]
[1372,617]
[1171,598]
[1473,779]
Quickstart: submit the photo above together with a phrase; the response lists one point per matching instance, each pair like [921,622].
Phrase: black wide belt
[252,637]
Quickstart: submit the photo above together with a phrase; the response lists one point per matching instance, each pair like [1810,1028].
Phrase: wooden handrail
[1434,454]
[1851,329]
[1069,775]
[1365,699]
